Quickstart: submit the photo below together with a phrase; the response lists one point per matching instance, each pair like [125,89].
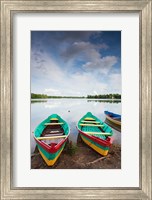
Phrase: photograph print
[75,99]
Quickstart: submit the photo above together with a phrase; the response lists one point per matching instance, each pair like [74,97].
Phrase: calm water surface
[71,110]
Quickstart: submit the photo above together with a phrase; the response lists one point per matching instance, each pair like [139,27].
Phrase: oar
[49,138]
[97,133]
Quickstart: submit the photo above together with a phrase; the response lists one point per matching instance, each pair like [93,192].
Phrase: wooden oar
[49,138]
[97,133]
[91,122]
[46,124]
[92,125]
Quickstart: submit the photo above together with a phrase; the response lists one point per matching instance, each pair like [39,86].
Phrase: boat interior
[90,125]
[53,128]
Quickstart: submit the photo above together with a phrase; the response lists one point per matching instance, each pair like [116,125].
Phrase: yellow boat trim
[91,122]
[51,137]
[46,124]
[99,125]
[101,151]
[112,120]
[50,162]
[89,118]
[97,133]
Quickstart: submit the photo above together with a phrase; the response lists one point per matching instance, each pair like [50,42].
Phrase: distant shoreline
[100,96]
[60,98]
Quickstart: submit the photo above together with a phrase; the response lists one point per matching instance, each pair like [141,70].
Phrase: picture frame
[8,9]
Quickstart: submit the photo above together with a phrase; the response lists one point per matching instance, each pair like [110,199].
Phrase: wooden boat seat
[54,131]
[54,119]
[51,137]
[89,118]
[91,122]
[58,123]
[118,118]
[98,125]
[56,134]
[97,133]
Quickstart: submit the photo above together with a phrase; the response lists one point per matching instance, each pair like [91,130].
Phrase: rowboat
[51,136]
[95,133]
[113,117]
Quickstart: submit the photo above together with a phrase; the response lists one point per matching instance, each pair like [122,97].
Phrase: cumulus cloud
[84,50]
[90,55]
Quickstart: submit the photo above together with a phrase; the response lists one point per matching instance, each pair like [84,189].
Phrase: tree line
[100,96]
[38,96]
[44,96]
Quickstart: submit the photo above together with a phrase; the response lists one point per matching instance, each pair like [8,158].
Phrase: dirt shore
[81,157]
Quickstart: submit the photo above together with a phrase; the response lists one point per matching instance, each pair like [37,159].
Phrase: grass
[71,148]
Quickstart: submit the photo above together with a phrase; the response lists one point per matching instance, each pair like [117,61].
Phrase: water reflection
[105,101]
[38,100]
[71,110]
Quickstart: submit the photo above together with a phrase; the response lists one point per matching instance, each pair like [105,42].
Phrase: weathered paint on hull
[114,121]
[98,148]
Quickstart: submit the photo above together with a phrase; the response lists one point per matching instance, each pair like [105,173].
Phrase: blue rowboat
[113,117]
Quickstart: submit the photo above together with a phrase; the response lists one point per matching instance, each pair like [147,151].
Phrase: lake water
[71,110]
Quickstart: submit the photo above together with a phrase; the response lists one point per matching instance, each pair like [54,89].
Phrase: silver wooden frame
[143,7]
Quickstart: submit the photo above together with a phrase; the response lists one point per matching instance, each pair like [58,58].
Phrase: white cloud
[90,55]
[55,78]
[51,91]
[45,67]
[102,64]
[115,82]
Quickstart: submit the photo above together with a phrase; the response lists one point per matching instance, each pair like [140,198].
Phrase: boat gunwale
[55,148]
[51,149]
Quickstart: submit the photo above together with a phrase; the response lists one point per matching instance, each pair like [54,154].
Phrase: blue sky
[75,63]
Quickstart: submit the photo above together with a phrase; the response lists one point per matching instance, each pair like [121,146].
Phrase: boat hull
[50,158]
[111,117]
[100,146]
[51,146]
[113,121]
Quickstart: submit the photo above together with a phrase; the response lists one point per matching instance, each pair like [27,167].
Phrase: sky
[75,63]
